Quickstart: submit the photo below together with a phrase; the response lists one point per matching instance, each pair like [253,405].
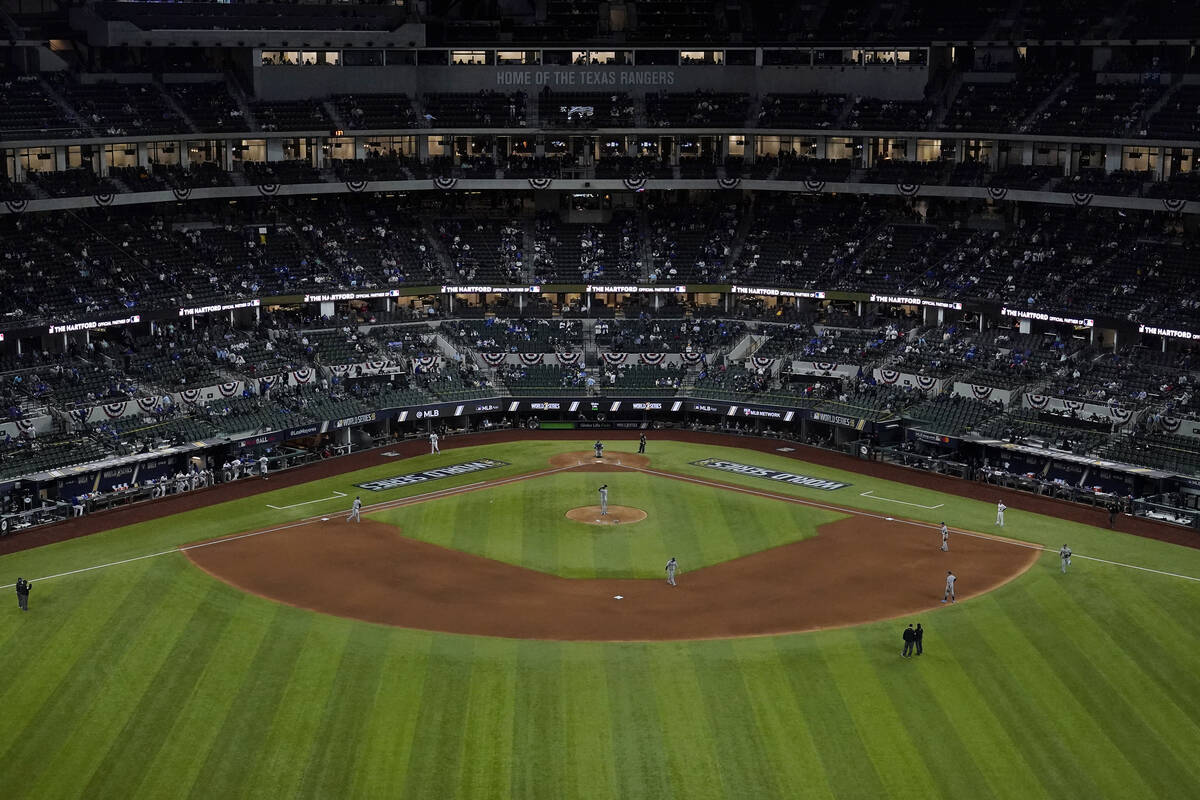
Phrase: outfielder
[1000,507]
[433,445]
[1065,556]
[604,500]
[950,579]
[599,448]
[672,565]
[945,538]
[355,511]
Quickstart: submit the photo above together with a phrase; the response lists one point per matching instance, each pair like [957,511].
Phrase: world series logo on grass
[385,484]
[824,484]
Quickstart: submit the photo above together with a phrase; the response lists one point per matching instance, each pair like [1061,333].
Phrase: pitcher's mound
[586,461]
[616,515]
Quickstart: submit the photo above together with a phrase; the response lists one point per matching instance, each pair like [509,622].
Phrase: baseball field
[485,632]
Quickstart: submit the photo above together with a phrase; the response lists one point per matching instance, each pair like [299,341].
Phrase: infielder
[604,500]
[355,511]
[945,538]
[1000,507]
[433,445]
[950,579]
[672,565]
[599,448]
[1065,556]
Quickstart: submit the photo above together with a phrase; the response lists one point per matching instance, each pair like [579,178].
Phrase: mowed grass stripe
[297,719]
[487,762]
[723,696]
[49,648]
[94,702]
[435,760]
[839,744]
[391,717]
[783,735]
[1141,711]
[539,723]
[1021,708]
[1034,652]
[197,722]
[340,731]
[141,738]
[953,685]
[693,759]
[640,747]
[229,766]
[855,663]
[591,754]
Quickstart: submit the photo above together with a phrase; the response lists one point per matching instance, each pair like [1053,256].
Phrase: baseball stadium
[640,399]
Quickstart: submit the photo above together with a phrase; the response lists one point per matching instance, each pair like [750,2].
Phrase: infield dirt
[855,571]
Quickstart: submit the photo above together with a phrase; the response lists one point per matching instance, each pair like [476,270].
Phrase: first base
[324,519]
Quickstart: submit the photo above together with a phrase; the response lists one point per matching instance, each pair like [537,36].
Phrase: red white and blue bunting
[304,375]
[114,410]
[189,396]
[570,359]
[445,184]
[1038,401]
[425,363]
[729,183]
[981,392]
[814,186]
[635,184]
[228,389]
[925,383]
[614,359]
[531,359]
[908,189]
[997,192]
[540,183]
[826,366]
[691,358]
[763,363]
[653,359]
[147,404]
[1170,424]
[495,359]
[889,376]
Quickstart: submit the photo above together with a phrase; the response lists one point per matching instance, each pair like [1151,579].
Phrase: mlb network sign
[806,481]
[431,475]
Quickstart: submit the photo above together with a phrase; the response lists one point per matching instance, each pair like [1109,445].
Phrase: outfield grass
[153,680]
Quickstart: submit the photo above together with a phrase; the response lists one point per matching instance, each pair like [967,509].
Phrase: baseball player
[355,511]
[1000,507]
[599,448]
[642,443]
[262,466]
[1064,555]
[672,565]
[604,500]
[945,538]
[433,445]
[950,579]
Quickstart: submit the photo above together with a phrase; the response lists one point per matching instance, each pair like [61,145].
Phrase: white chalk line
[858,512]
[381,506]
[869,494]
[440,493]
[336,496]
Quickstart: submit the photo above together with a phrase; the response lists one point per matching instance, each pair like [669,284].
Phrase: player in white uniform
[672,565]
[433,445]
[1065,556]
[604,500]
[950,579]
[355,511]
[262,466]
[945,538]
[1000,507]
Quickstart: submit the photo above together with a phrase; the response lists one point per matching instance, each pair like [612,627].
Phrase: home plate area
[616,515]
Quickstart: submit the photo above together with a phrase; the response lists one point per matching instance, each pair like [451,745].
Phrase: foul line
[336,495]
[868,494]
[470,487]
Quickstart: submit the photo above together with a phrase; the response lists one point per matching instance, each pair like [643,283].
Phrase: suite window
[477,57]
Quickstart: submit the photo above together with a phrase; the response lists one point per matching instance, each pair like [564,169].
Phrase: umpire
[23,593]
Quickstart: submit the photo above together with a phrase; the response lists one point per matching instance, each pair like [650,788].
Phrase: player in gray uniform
[355,511]
[950,579]
[945,538]
[604,500]
[599,448]
[672,565]
[1065,556]
[433,445]
[1000,508]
